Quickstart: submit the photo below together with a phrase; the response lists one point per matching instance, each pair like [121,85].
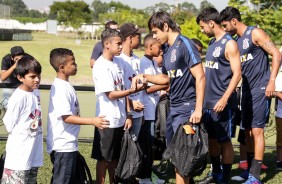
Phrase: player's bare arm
[198,73]
[232,54]
[263,40]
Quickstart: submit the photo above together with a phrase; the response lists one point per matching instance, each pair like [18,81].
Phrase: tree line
[265,14]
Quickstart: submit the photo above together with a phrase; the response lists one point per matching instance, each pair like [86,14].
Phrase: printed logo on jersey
[36,125]
[246,43]
[175,73]
[173,55]
[248,32]
[224,41]
[211,64]
[216,52]
[246,57]
[178,43]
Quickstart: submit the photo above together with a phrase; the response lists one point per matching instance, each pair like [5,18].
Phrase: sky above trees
[140,4]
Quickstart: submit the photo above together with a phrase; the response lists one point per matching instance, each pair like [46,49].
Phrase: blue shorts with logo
[255,110]
[177,116]
[219,125]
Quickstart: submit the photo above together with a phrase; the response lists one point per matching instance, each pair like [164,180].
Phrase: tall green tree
[71,13]
[17,7]
[192,30]
[204,4]
[98,8]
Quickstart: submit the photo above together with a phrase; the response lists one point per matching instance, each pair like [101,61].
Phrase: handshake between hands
[138,83]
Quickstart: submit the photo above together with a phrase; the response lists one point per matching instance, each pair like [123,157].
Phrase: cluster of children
[128,90]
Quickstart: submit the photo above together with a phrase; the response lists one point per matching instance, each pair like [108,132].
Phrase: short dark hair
[58,56]
[208,14]
[109,23]
[17,51]
[149,38]
[26,65]
[229,13]
[197,42]
[158,20]
[109,33]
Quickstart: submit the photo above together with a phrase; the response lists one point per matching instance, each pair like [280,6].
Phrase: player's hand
[100,122]
[196,117]
[138,83]
[220,105]
[270,89]
[137,106]
[128,123]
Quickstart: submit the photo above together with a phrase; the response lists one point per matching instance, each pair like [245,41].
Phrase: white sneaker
[160,181]
[145,181]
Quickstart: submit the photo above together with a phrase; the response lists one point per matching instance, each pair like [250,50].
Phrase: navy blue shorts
[64,167]
[219,125]
[255,110]
[177,116]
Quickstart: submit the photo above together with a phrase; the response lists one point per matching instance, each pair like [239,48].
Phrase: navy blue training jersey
[218,72]
[178,59]
[254,62]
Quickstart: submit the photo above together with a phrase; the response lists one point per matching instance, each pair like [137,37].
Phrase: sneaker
[145,181]
[212,178]
[244,165]
[278,166]
[252,180]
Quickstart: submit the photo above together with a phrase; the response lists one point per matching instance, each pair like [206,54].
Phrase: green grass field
[269,176]
[43,43]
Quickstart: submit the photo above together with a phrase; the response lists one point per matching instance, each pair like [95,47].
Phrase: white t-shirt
[150,100]
[61,136]
[131,68]
[107,77]
[24,148]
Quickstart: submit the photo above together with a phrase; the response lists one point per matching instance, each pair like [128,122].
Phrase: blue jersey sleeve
[190,52]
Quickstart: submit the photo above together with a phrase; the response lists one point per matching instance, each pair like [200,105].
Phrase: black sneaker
[212,178]
[278,166]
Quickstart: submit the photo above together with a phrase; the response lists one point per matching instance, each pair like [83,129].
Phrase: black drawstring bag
[188,152]
[130,160]
[83,174]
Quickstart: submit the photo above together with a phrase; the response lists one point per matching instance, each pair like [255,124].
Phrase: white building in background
[50,26]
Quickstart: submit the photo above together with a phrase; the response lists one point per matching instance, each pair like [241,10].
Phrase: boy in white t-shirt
[64,118]
[24,148]
[150,96]
[109,88]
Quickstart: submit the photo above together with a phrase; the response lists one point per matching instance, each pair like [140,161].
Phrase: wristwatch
[129,113]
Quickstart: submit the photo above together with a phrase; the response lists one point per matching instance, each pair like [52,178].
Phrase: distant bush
[30,19]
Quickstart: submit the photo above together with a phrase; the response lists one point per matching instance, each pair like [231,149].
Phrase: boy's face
[161,35]
[135,40]
[30,81]
[155,48]
[114,45]
[16,58]
[70,67]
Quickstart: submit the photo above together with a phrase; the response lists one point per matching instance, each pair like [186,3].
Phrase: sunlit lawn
[269,176]
[43,43]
